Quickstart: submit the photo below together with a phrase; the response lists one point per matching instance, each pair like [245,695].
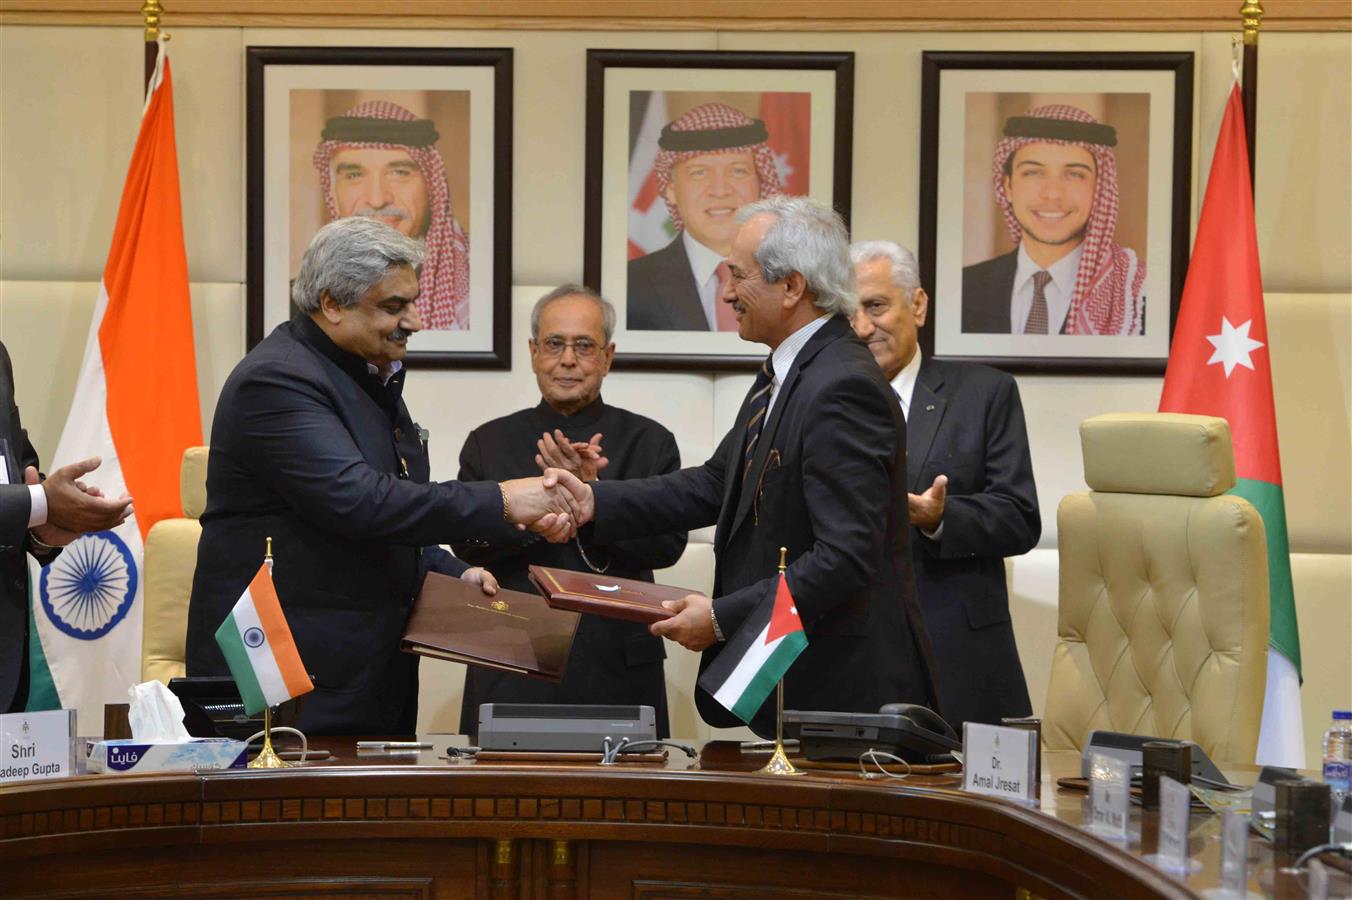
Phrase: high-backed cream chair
[171,557]
[1163,602]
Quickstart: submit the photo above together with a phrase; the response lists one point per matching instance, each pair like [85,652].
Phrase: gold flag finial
[783,555]
[152,11]
[268,555]
[1251,13]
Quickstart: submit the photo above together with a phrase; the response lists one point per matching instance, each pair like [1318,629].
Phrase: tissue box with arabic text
[186,756]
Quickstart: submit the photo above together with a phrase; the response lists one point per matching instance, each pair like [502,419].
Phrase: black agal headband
[712,138]
[363,130]
[1061,130]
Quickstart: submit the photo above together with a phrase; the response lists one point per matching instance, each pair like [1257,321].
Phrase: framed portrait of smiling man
[1055,207]
[677,142]
[416,138]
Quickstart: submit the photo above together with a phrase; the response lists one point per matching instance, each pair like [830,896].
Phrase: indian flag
[135,406]
[259,649]
[759,654]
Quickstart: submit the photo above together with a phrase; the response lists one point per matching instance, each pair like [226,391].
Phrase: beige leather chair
[1163,600]
[171,557]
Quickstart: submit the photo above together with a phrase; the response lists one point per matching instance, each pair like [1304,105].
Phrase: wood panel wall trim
[694,15]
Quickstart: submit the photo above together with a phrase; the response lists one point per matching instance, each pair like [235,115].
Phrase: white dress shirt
[904,383]
[781,361]
[704,266]
[1057,293]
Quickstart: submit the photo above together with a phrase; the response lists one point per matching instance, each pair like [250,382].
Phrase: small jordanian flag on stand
[759,654]
[259,649]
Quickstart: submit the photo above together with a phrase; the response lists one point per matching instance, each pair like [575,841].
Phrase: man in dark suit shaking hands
[815,462]
[972,500]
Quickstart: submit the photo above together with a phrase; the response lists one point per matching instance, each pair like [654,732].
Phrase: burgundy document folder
[601,595]
[510,631]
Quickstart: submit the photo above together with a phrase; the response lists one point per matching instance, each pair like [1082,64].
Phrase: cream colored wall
[69,98]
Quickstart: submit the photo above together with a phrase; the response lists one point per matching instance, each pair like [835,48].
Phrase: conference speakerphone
[558,727]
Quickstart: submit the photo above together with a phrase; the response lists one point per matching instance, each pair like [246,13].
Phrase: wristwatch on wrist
[713,620]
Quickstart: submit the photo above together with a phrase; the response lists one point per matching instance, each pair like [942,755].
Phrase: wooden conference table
[417,825]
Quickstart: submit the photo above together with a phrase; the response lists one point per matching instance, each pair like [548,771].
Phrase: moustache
[388,211]
[400,334]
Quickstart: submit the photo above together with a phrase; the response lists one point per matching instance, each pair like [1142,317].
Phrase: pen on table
[393,745]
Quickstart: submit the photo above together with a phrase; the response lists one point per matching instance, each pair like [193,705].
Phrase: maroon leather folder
[510,631]
[601,595]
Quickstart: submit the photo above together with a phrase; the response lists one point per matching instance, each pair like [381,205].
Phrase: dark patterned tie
[760,402]
[1037,316]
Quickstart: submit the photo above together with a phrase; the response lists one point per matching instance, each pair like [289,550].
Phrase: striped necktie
[759,403]
[1037,316]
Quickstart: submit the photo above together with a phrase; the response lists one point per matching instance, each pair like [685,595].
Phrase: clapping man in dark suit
[37,517]
[816,463]
[972,500]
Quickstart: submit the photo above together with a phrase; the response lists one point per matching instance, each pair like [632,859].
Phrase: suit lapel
[927,411]
[732,479]
[829,332]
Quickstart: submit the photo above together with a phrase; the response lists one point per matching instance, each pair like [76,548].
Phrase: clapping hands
[73,507]
[584,460]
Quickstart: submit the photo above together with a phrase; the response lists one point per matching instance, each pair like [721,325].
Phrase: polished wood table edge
[821,812]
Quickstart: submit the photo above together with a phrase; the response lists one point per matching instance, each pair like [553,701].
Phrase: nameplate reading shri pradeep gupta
[37,745]
[999,761]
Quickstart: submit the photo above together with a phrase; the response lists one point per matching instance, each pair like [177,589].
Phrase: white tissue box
[184,756]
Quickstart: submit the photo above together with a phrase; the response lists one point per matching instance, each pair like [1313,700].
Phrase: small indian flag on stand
[759,654]
[259,649]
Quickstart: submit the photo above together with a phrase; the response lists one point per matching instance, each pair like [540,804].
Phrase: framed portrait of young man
[1055,207]
[677,142]
[417,138]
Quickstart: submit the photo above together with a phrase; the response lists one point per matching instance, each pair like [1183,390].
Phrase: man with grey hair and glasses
[815,463]
[573,428]
[313,447]
[971,497]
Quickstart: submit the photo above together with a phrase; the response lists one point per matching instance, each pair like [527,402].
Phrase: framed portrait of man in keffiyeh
[1055,207]
[416,138]
[677,142]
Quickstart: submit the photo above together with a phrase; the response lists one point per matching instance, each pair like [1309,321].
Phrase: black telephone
[908,730]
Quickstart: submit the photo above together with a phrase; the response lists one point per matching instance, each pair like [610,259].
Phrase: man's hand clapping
[74,507]
[584,460]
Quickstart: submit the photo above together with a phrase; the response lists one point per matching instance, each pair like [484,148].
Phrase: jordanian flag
[259,649]
[1219,366]
[758,655]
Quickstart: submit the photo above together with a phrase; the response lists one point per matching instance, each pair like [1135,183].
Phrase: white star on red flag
[1233,346]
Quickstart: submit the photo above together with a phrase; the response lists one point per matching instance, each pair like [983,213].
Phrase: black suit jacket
[306,447]
[986,289]
[966,422]
[827,481]
[15,506]
[662,294]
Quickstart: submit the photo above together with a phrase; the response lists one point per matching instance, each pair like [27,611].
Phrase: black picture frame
[692,350]
[1018,73]
[491,68]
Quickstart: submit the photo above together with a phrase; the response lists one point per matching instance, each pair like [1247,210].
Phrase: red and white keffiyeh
[1102,302]
[715,117]
[443,303]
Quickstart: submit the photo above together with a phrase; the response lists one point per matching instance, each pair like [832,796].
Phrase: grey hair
[348,256]
[808,238]
[905,269]
[573,290]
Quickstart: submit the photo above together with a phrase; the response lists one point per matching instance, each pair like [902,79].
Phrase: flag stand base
[267,758]
[779,762]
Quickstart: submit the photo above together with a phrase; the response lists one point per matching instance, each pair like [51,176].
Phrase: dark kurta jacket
[306,447]
[611,661]
[827,481]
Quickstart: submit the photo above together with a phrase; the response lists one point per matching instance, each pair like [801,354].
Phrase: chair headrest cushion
[1158,453]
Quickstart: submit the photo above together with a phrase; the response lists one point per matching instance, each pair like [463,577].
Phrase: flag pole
[779,762]
[152,10]
[1251,14]
[267,758]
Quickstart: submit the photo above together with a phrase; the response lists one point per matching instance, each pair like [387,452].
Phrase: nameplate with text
[1109,796]
[1175,806]
[1234,852]
[999,761]
[37,745]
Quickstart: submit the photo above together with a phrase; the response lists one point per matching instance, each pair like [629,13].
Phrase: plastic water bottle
[1338,755]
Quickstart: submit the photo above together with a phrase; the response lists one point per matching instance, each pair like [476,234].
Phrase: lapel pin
[929,407]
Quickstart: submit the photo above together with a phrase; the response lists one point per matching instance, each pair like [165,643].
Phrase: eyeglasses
[583,348]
